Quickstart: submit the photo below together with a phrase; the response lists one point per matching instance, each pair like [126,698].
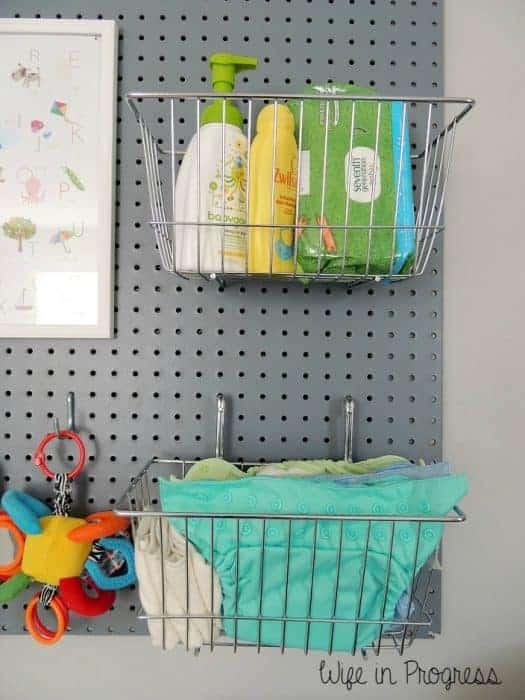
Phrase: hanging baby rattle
[63,552]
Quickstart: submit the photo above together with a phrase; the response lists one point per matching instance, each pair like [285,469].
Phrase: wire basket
[141,501]
[164,118]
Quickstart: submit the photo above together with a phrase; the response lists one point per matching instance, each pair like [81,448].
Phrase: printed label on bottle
[304,175]
[285,179]
[227,201]
[364,173]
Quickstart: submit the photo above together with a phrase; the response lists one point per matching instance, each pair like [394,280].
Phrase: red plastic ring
[74,596]
[40,455]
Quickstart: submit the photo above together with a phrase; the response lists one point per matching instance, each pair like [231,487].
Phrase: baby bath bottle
[273,192]
[210,192]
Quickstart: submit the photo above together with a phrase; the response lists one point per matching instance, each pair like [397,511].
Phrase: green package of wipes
[356,213]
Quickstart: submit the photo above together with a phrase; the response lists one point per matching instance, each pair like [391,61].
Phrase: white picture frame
[57,177]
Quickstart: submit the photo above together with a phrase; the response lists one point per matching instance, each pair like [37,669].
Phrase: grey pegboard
[282,354]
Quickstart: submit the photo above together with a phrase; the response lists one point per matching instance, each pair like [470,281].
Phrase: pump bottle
[210,192]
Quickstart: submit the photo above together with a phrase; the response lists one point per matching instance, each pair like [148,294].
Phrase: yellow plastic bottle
[272,249]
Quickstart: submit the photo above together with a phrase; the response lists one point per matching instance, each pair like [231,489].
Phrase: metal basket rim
[235,95]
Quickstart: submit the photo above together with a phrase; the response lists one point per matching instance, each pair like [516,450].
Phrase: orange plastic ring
[42,630]
[36,627]
[39,457]
[103,524]
[13,567]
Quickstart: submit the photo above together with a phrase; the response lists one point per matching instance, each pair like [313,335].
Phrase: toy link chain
[62,506]
[63,499]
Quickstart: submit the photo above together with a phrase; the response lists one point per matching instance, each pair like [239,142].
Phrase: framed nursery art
[57,141]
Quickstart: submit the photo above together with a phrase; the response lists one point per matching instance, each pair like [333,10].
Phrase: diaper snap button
[428,534]
[379,534]
[277,505]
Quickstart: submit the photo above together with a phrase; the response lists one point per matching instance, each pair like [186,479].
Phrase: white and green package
[382,239]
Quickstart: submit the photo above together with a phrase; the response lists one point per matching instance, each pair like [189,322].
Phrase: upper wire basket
[183,597]
[164,118]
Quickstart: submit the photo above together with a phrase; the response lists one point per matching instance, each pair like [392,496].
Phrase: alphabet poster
[57,91]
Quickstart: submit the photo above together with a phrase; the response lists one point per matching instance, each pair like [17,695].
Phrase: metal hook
[349,427]
[70,402]
[219,439]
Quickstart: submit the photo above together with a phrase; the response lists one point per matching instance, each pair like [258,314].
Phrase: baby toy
[62,552]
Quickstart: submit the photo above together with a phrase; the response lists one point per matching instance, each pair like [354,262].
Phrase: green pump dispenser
[224,67]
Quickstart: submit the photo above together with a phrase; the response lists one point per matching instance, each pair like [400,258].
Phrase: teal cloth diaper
[256,574]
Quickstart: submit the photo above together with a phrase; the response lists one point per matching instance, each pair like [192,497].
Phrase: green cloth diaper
[213,469]
[314,467]
[217,469]
[267,577]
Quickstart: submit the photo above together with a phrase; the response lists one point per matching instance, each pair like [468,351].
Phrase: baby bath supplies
[273,192]
[211,184]
[355,171]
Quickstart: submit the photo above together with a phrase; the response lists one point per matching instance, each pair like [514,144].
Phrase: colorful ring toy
[42,630]
[75,597]
[36,627]
[13,567]
[123,580]
[99,525]
[40,455]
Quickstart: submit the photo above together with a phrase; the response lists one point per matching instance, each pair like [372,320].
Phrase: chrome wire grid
[141,500]
[430,166]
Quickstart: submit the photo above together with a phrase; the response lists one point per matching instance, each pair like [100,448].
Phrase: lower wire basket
[290,604]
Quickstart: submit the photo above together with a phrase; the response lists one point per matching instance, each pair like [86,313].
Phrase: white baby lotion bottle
[211,182]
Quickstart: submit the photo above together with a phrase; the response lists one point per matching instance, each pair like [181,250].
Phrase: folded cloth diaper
[250,578]
[312,467]
[344,191]
[215,469]
[149,575]
[391,473]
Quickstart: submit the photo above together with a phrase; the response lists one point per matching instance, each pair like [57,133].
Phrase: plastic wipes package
[354,171]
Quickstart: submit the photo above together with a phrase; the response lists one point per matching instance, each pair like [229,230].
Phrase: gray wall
[483,614]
